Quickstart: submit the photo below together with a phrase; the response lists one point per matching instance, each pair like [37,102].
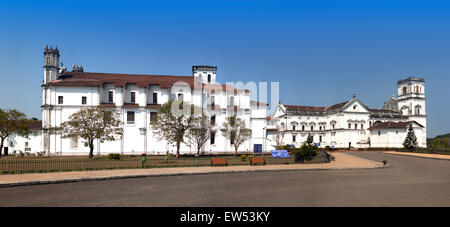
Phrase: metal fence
[10,165]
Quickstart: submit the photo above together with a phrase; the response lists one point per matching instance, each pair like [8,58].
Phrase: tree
[172,121]
[90,124]
[199,132]
[411,139]
[437,143]
[279,136]
[444,143]
[306,152]
[236,131]
[310,140]
[12,121]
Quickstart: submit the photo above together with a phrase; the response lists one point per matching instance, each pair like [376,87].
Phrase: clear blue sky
[321,52]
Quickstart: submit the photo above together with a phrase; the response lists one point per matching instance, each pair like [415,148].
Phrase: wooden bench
[254,161]
[218,161]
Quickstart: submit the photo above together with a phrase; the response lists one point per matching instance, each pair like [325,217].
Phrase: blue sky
[321,52]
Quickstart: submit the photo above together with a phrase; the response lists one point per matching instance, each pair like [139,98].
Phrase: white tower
[411,99]
[205,74]
[51,64]
[51,72]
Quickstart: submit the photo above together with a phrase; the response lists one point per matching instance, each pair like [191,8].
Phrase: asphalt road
[410,181]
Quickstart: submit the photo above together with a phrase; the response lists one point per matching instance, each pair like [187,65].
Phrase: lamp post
[264,138]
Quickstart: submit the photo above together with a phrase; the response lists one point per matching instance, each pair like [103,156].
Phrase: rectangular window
[293,138]
[213,100]
[133,97]
[83,100]
[362,126]
[155,98]
[231,101]
[110,96]
[60,100]
[213,138]
[180,97]
[320,139]
[153,115]
[356,126]
[130,117]
[26,144]
[349,126]
[312,128]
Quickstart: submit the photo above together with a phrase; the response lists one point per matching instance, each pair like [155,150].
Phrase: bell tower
[411,99]
[51,63]
[204,74]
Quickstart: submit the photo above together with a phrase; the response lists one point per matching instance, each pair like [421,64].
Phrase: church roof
[88,79]
[315,109]
[393,125]
[93,79]
[35,125]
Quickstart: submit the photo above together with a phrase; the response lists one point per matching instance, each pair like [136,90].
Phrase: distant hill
[446,136]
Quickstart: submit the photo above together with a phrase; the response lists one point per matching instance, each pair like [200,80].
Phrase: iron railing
[26,164]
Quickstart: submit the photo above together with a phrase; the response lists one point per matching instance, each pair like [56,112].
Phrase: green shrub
[305,153]
[243,157]
[114,156]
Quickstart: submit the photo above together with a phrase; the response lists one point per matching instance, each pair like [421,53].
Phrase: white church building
[351,124]
[137,98]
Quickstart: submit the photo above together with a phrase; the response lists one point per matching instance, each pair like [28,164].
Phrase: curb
[414,156]
[71,180]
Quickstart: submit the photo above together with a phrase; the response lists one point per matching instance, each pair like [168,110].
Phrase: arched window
[404,90]
[293,127]
[209,78]
[418,107]
[303,128]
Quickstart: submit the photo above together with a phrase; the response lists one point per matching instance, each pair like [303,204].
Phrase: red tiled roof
[315,108]
[92,79]
[86,79]
[35,125]
[392,125]
[304,108]
[255,103]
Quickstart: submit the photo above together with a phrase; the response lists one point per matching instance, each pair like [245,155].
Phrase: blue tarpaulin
[280,154]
